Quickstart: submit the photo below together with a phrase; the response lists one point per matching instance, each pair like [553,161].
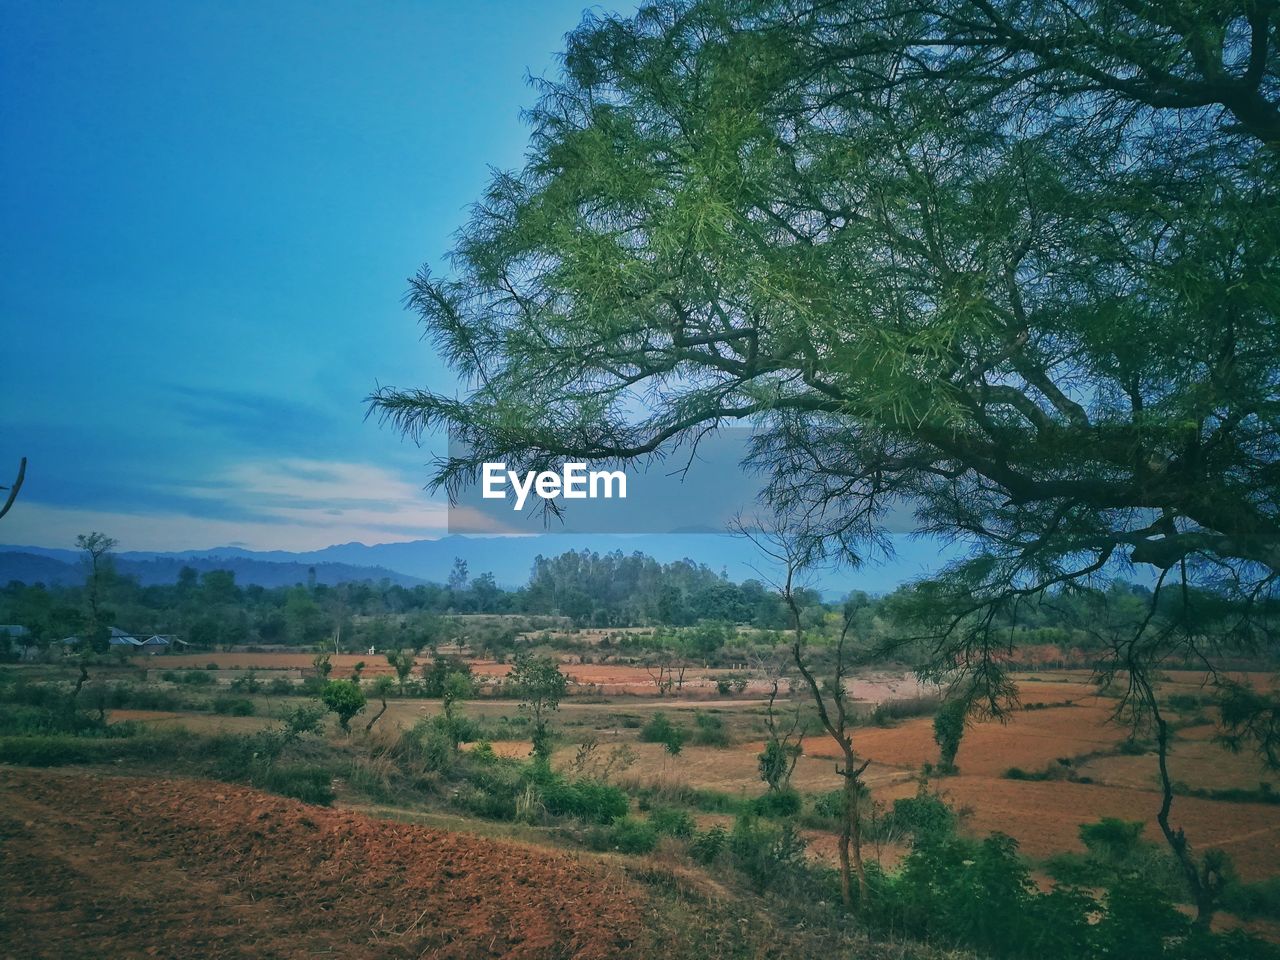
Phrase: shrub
[344,698]
[587,800]
[830,804]
[310,784]
[707,847]
[280,686]
[55,750]
[659,729]
[764,852]
[672,822]
[1017,773]
[246,683]
[709,730]
[629,835]
[234,706]
[1112,838]
[1251,900]
[194,678]
[926,816]
[778,803]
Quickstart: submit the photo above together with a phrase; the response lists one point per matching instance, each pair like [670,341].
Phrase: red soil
[94,866]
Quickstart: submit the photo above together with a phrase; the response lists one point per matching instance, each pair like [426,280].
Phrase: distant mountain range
[509,559]
[65,568]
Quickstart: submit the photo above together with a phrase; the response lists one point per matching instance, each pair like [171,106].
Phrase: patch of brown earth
[94,866]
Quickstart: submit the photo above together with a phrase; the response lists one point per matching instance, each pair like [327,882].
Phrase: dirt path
[96,866]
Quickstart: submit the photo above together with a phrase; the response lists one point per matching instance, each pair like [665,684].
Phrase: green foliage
[776,761]
[661,730]
[706,847]
[709,730]
[246,683]
[658,730]
[1115,850]
[344,699]
[785,802]
[436,674]
[766,853]
[280,686]
[948,730]
[672,822]
[541,686]
[586,800]
[926,816]
[626,835]
[310,784]
[234,706]
[1250,900]
[1112,838]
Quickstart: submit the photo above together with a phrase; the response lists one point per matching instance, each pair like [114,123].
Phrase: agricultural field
[1057,762]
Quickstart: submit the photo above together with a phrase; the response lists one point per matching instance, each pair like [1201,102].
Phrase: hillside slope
[99,866]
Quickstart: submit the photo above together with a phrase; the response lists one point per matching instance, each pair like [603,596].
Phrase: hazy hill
[30,567]
[509,559]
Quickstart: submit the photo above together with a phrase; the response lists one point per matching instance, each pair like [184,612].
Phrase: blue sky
[210,212]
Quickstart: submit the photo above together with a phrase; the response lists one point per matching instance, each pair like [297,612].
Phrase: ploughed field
[1064,732]
[104,866]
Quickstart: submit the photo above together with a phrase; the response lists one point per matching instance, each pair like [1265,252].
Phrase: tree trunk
[84,675]
[1202,891]
[377,716]
[851,833]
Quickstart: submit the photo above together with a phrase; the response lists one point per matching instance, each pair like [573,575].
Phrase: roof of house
[14,629]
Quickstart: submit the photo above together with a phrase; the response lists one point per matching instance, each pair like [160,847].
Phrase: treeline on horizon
[584,589]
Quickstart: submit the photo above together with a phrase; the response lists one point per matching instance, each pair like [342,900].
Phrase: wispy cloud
[290,504]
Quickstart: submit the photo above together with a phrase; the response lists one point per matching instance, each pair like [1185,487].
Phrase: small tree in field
[323,665]
[343,698]
[380,689]
[793,555]
[97,549]
[541,687]
[948,730]
[402,663]
[456,688]
[783,747]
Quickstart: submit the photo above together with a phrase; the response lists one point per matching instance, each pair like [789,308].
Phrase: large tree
[1009,266]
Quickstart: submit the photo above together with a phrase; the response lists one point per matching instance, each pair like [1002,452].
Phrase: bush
[1252,900]
[55,750]
[659,729]
[709,730]
[247,683]
[764,852]
[310,784]
[1017,773]
[234,707]
[280,686]
[194,678]
[1116,850]
[587,800]
[926,816]
[778,803]
[672,822]
[429,745]
[627,835]
[344,698]
[707,847]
